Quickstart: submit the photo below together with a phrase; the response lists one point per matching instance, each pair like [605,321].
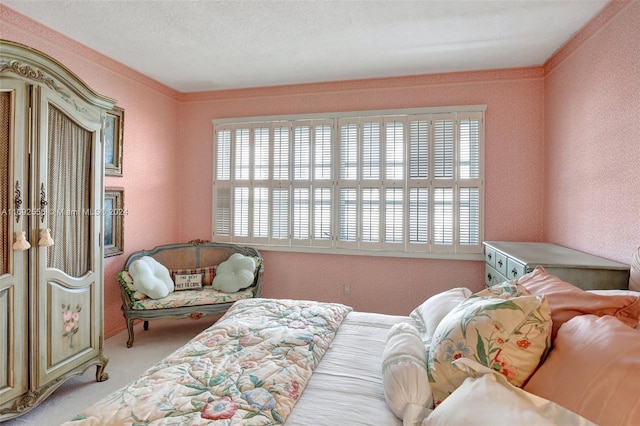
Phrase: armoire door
[51,190]
[13,219]
[67,323]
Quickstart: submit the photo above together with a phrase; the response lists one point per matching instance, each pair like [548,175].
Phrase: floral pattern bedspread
[249,368]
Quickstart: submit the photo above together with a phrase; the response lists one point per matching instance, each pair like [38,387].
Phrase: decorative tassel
[45,238]
[21,242]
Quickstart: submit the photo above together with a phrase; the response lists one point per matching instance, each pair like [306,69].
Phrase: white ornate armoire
[51,196]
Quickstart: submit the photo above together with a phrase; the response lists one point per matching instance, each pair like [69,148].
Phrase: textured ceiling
[212,45]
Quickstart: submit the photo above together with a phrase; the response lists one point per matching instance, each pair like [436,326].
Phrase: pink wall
[513,184]
[177,168]
[168,158]
[592,137]
[150,132]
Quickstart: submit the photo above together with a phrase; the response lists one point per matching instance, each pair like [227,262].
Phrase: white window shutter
[222,211]
[348,150]
[261,138]
[418,183]
[223,155]
[323,161]
[242,154]
[391,182]
[322,216]
[370,213]
[348,218]
[240,213]
[281,137]
[280,216]
[394,150]
[222,186]
[371,146]
[261,216]
[470,183]
[300,233]
[301,151]
[418,237]
[419,142]
[443,219]
[443,128]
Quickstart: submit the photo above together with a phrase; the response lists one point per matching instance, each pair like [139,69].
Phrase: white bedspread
[346,386]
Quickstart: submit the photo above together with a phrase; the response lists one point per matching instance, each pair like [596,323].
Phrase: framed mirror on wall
[113,213]
[113,133]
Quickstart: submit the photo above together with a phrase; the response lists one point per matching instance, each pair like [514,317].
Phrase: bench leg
[130,330]
[145,325]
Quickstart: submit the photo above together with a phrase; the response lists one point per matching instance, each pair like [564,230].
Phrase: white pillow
[430,313]
[235,273]
[404,374]
[486,398]
[151,277]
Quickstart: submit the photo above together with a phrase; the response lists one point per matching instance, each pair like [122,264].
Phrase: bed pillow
[566,300]
[404,374]
[593,370]
[428,315]
[151,277]
[503,327]
[618,293]
[486,398]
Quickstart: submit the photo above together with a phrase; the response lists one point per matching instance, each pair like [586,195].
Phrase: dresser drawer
[490,256]
[514,269]
[492,277]
[501,263]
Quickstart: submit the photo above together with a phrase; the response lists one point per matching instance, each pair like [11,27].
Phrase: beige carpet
[125,364]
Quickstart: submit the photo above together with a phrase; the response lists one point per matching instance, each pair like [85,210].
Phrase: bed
[297,362]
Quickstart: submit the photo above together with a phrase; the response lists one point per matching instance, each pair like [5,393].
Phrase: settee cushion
[206,296]
[125,280]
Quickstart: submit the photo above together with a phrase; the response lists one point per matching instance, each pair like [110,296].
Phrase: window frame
[336,184]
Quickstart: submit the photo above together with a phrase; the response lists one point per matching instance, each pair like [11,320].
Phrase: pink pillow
[593,370]
[566,300]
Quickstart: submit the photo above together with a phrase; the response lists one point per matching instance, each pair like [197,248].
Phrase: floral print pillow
[503,327]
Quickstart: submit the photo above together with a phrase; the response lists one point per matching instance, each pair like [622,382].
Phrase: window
[402,182]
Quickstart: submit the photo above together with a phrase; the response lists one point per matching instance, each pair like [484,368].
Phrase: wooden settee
[190,303]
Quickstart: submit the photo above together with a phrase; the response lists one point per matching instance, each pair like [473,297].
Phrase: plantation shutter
[418,183]
[222,186]
[348,184]
[301,183]
[469,182]
[280,186]
[260,185]
[443,212]
[320,189]
[394,183]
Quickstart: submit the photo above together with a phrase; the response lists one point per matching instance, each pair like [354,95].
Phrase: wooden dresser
[510,260]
